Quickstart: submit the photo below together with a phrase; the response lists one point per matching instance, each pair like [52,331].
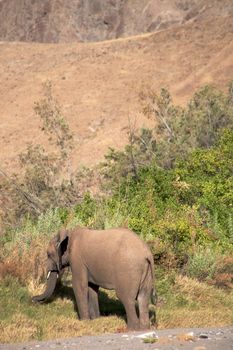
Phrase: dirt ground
[169,339]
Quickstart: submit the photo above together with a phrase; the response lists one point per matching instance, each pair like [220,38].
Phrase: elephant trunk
[50,287]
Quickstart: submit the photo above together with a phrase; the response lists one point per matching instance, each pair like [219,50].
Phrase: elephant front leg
[80,287]
[93,301]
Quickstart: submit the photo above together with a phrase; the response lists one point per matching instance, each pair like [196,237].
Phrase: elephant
[112,259]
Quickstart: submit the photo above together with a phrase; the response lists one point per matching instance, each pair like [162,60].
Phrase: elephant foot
[93,317]
[133,326]
[145,327]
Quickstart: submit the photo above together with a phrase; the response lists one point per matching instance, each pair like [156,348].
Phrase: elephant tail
[153,296]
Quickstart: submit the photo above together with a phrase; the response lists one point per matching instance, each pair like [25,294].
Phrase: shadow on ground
[108,303]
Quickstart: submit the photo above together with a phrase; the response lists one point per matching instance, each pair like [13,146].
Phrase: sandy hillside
[97,84]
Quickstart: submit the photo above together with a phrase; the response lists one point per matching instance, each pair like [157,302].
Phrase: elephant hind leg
[144,297]
[132,318]
[93,301]
[143,304]
[130,308]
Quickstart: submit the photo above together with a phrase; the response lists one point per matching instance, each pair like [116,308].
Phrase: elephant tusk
[48,274]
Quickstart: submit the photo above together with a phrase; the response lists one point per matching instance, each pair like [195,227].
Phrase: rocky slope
[88,20]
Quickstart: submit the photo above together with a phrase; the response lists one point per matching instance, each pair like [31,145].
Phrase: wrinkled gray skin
[112,259]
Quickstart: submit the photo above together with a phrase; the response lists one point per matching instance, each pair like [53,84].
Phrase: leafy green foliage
[85,210]
[209,176]
[124,165]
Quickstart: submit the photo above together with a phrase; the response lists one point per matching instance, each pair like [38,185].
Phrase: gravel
[169,339]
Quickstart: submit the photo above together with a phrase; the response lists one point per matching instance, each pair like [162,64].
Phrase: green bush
[203,264]
[209,175]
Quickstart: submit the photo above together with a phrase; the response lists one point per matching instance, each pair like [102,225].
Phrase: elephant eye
[48,255]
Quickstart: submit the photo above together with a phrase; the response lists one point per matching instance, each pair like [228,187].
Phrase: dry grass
[224,275]
[203,317]
[20,329]
[35,287]
[23,262]
[73,327]
[202,293]
[188,303]
[52,324]
[203,306]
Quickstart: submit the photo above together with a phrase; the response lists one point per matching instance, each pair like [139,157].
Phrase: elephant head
[57,260]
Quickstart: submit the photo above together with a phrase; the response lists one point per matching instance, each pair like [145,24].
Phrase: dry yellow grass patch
[202,292]
[20,329]
[35,287]
[70,327]
[206,306]
[205,317]
[25,262]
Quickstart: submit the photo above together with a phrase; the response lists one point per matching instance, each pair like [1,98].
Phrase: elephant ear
[62,246]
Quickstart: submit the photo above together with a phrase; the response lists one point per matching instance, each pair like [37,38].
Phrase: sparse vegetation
[182,130]
[45,179]
[174,188]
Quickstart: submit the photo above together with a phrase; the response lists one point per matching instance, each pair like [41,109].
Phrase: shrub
[182,130]
[209,176]
[45,180]
[202,264]
[123,165]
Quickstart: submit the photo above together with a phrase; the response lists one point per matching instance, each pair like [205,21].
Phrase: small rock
[199,348]
[191,334]
[203,336]
[219,333]
[186,337]
[147,335]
